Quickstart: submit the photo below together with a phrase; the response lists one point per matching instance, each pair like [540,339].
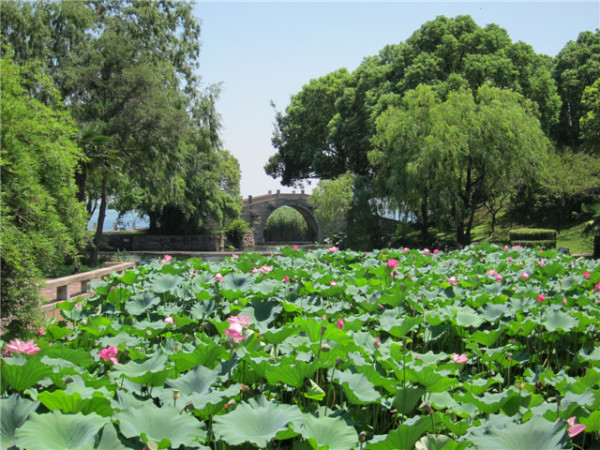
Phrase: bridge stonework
[257,209]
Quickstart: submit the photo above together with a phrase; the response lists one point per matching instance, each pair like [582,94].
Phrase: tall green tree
[590,119]
[446,157]
[333,200]
[42,222]
[577,67]
[150,132]
[449,54]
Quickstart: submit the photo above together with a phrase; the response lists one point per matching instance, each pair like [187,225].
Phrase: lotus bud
[520,385]
[323,330]
[362,437]
[325,347]
[339,361]
[176,394]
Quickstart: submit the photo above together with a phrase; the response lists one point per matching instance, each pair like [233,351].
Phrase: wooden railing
[62,284]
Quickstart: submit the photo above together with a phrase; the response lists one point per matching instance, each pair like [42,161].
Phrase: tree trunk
[101,217]
[597,246]
[424,221]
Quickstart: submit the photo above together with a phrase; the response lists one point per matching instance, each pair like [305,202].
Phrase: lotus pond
[395,349]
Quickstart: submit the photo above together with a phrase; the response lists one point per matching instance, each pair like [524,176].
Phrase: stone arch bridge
[257,209]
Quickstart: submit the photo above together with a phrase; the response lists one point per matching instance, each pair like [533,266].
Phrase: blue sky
[263,52]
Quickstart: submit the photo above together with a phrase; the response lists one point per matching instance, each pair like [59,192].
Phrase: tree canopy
[447,158]
[449,54]
[42,222]
[128,72]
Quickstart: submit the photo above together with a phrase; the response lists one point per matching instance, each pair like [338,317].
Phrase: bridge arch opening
[257,209]
[290,223]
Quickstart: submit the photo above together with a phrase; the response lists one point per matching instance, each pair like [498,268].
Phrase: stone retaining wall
[145,242]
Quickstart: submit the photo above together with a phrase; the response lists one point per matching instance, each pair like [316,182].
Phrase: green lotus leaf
[537,433]
[20,373]
[553,269]
[278,335]
[129,277]
[151,372]
[164,282]
[428,377]
[118,296]
[236,282]
[122,338]
[109,439]
[266,287]
[203,308]
[291,374]
[59,431]
[406,399]
[559,320]
[262,312]
[399,326]
[406,435]
[159,424]
[328,432]
[311,327]
[592,422]
[487,337]
[467,317]
[74,403]
[56,332]
[97,326]
[357,387]
[140,303]
[492,312]
[572,401]
[198,381]
[76,356]
[257,421]
[15,411]
[588,354]
[438,442]
[314,392]
[207,355]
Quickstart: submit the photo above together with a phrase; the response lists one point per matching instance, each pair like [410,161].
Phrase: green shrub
[236,231]
[533,237]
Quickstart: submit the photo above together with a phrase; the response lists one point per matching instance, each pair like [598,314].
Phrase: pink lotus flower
[263,269]
[491,272]
[436,251]
[109,354]
[453,280]
[506,248]
[40,332]
[498,277]
[333,249]
[406,250]
[333,283]
[112,288]
[234,256]
[524,275]
[542,262]
[295,247]
[18,346]
[574,430]
[286,278]
[235,331]
[377,342]
[219,277]
[426,251]
[166,259]
[243,321]
[392,263]
[586,275]
[169,320]
[462,358]
[340,324]
[78,305]
[597,288]
[510,260]
[541,298]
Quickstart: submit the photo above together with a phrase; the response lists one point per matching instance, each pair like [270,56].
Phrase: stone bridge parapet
[257,209]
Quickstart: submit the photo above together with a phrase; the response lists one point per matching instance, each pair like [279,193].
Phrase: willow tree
[445,158]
